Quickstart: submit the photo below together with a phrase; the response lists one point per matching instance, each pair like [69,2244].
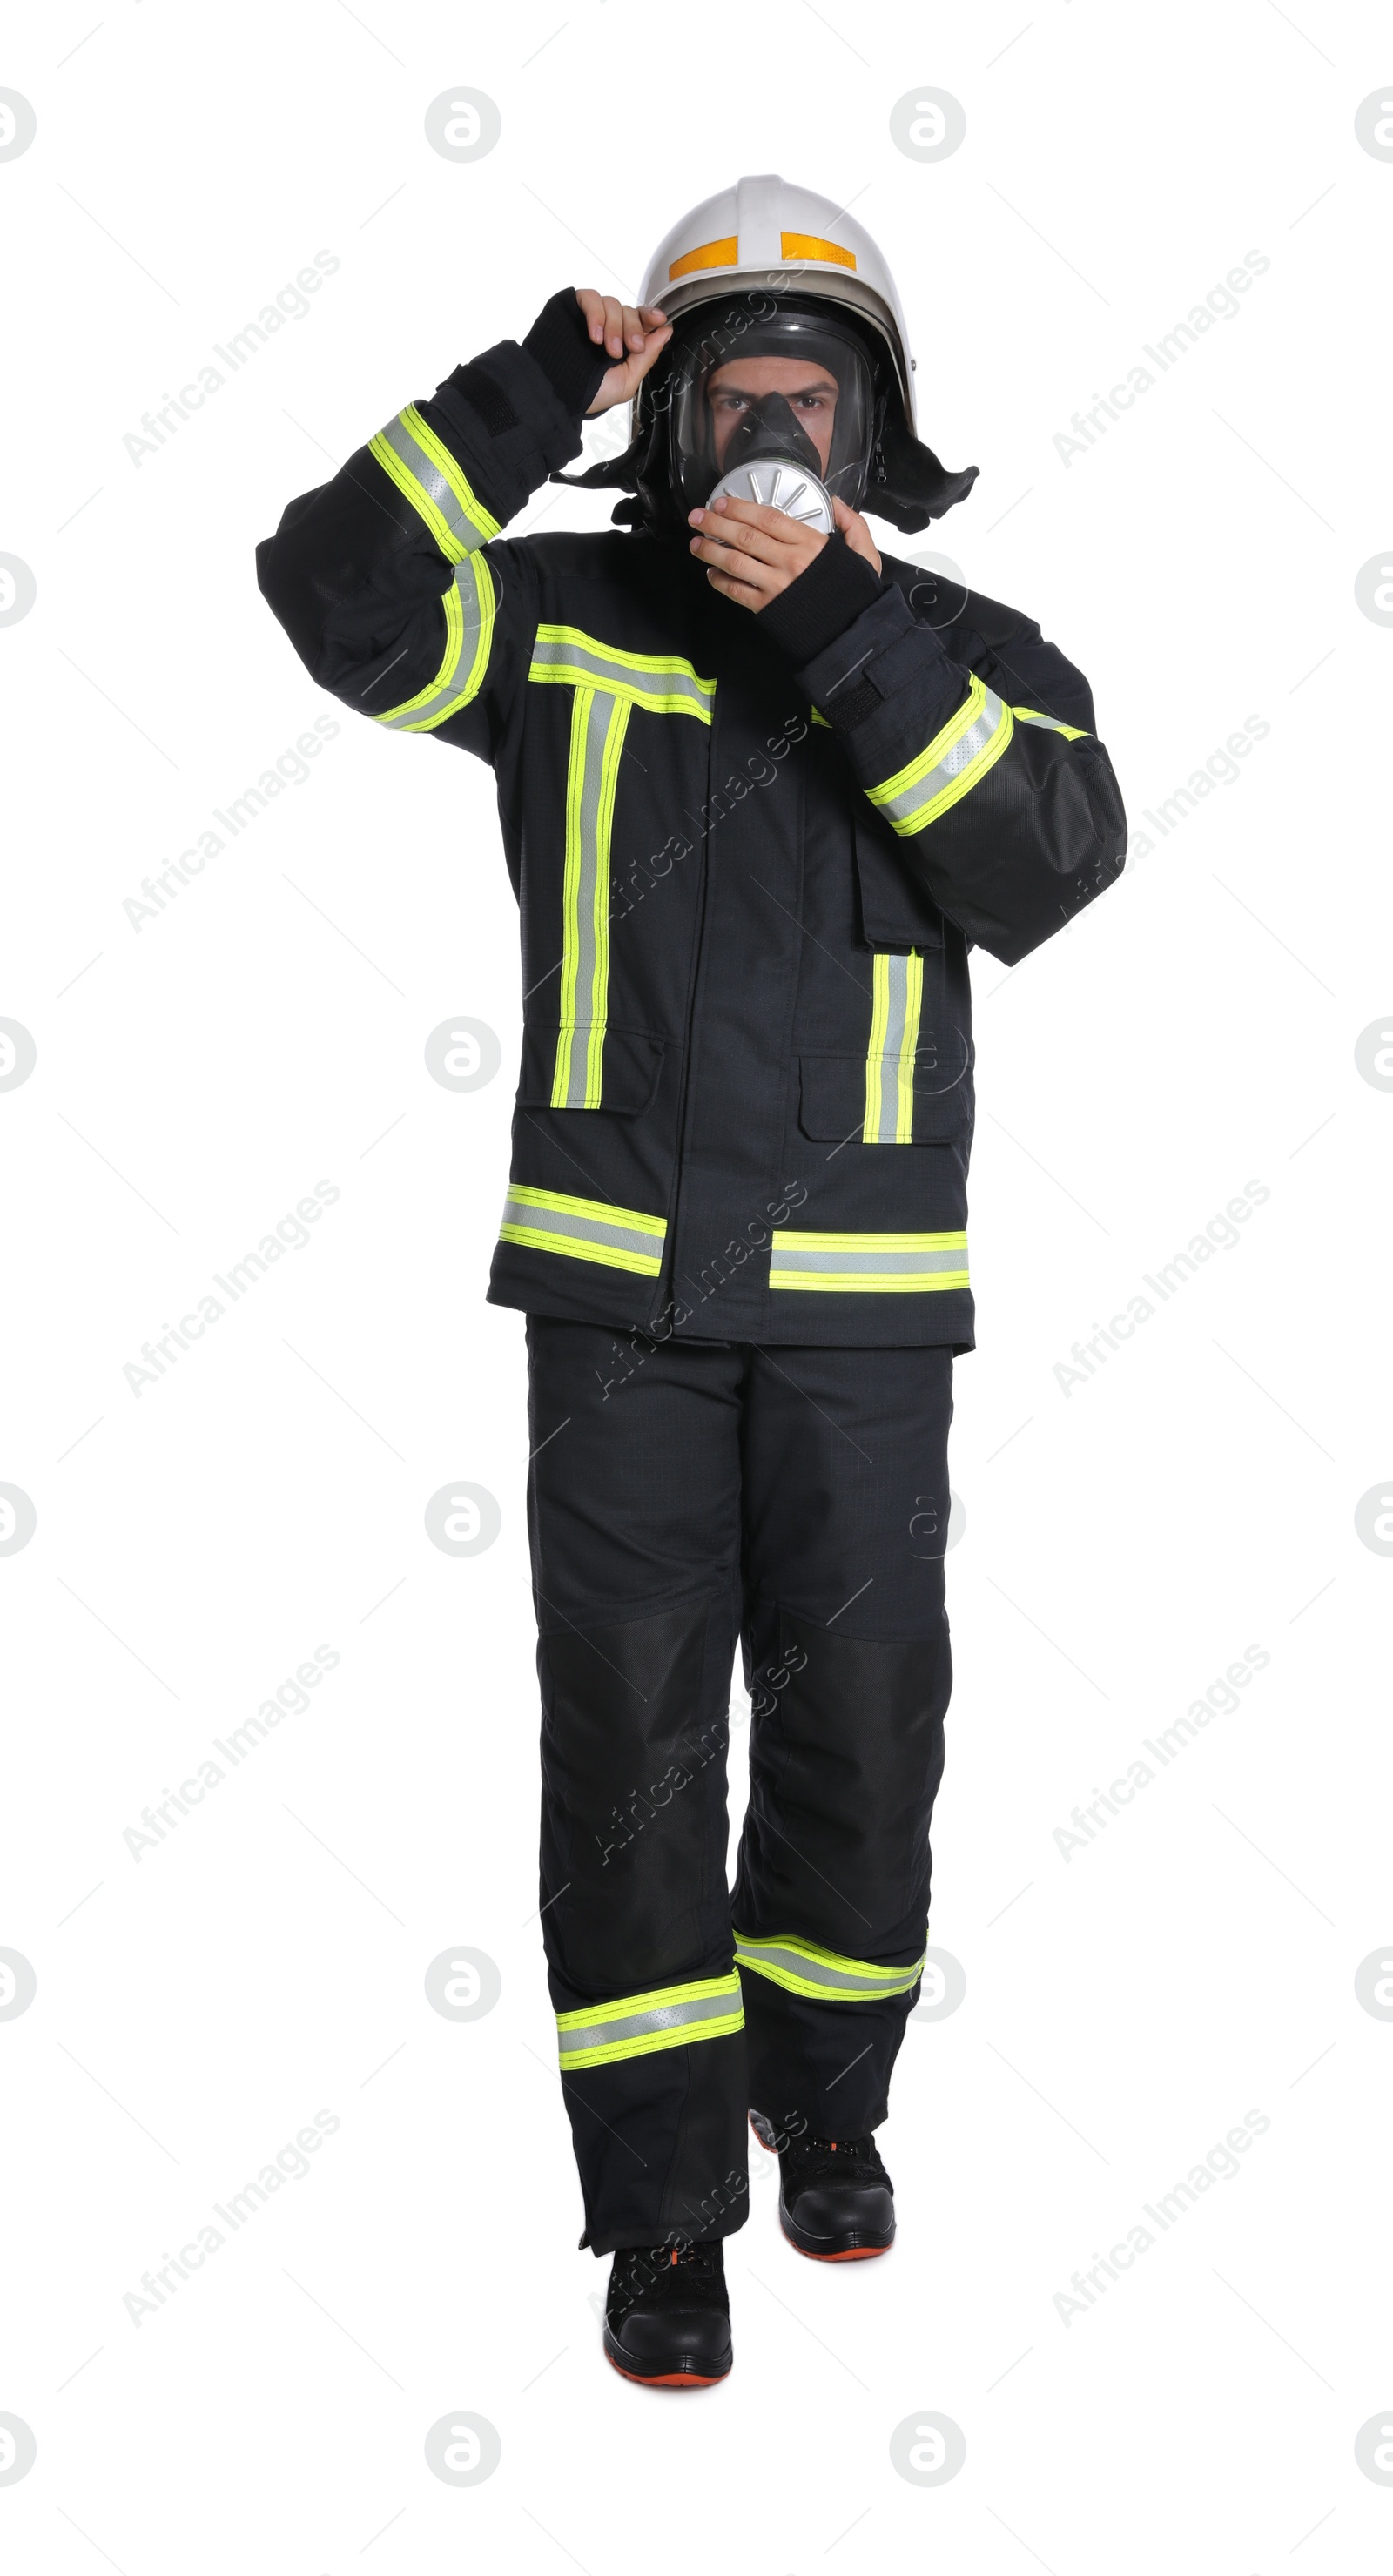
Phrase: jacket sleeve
[975,742]
[385,579]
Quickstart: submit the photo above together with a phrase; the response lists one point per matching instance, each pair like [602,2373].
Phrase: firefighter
[761,789]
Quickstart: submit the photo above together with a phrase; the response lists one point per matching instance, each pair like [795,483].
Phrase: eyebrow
[825,383]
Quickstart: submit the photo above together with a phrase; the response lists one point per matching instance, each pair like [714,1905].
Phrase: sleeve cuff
[819,606]
[560,342]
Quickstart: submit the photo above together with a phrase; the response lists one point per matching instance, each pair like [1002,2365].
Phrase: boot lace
[694,2273]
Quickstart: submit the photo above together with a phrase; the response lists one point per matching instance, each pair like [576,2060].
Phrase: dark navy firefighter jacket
[751,853]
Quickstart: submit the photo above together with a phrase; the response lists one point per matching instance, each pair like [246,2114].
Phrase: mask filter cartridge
[779,484]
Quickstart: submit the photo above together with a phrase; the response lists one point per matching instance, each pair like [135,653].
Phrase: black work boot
[836,2200]
[667,2316]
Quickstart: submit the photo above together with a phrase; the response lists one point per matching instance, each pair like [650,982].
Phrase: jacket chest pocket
[896,912]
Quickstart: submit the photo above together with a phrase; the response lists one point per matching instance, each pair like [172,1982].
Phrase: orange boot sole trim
[666,2379]
[853,2254]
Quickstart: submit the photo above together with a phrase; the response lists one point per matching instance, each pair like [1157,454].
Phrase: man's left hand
[751,552]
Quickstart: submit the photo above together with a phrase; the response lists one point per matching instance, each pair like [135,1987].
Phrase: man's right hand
[638,330]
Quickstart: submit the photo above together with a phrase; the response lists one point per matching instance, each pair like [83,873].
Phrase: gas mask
[775,407]
[771,459]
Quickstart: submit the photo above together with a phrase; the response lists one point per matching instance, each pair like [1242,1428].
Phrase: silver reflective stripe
[804,1970]
[805,1257]
[586,1229]
[644,2025]
[665,684]
[898,984]
[593,717]
[466,529]
[664,2017]
[958,757]
[598,720]
[896,1002]
[867,1264]
[464,626]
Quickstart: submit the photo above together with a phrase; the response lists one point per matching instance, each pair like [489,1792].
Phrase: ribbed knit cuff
[820,605]
[560,342]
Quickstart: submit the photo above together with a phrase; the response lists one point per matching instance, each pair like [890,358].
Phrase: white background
[1125,1540]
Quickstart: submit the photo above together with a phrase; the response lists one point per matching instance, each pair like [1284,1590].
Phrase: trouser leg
[634,1519]
[847,1653]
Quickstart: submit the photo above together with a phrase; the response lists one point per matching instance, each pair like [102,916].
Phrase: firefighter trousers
[685,1497]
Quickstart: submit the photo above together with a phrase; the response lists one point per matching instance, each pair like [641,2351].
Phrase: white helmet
[764,269]
[766,235]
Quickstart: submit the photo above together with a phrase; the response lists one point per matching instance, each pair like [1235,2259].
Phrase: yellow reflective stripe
[970,744]
[663,683]
[436,486]
[802,1968]
[483,582]
[897,996]
[424,507]
[953,792]
[469,608]
[875,1053]
[598,722]
[453,472]
[537,1238]
[570,899]
[638,2025]
[958,758]
[604,825]
[1031,715]
[657,702]
[617,653]
[608,681]
[943,741]
[860,1283]
[909,1040]
[867,1264]
[851,1242]
[618,1238]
